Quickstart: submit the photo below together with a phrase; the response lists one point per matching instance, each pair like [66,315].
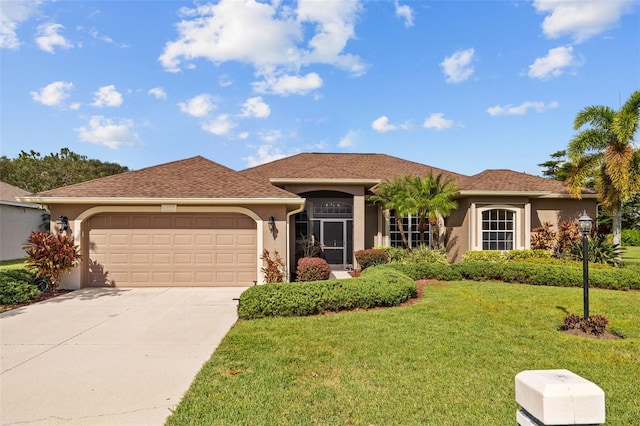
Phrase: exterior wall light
[63,224]
[272,223]
[584,224]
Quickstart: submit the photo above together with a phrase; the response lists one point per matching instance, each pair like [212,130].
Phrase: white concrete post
[558,397]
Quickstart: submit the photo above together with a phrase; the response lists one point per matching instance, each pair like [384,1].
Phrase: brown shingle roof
[343,166]
[508,180]
[195,177]
[10,192]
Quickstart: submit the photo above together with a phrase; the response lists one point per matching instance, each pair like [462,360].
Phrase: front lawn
[12,264]
[631,255]
[449,359]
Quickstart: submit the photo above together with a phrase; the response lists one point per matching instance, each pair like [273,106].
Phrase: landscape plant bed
[40,298]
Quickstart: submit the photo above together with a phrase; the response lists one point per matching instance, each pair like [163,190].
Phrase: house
[197,223]
[17,221]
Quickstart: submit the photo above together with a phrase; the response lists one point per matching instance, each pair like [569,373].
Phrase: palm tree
[431,198]
[392,195]
[606,152]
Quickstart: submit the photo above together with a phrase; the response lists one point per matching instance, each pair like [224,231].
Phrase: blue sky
[460,85]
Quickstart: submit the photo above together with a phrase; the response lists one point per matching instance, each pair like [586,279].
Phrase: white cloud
[198,106]
[457,67]
[270,136]
[554,63]
[264,154]
[437,121]
[219,126]
[48,37]
[225,81]
[580,19]
[104,131]
[158,92]
[12,14]
[107,96]
[288,84]
[381,124]
[266,35]
[348,140]
[53,94]
[255,107]
[522,108]
[243,135]
[405,12]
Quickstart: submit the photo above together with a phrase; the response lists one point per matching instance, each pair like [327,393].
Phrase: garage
[171,249]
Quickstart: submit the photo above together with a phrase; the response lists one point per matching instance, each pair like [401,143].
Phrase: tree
[34,173]
[558,168]
[606,152]
[431,198]
[392,195]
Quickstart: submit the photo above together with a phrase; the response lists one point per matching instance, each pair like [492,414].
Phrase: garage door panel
[172,250]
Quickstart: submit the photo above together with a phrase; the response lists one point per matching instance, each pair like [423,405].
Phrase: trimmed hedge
[370,257]
[371,289]
[16,287]
[425,271]
[312,269]
[551,275]
[503,256]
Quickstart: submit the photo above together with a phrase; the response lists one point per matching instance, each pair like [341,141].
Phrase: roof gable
[195,177]
[10,192]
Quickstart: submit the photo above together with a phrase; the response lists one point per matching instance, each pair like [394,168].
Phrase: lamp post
[584,224]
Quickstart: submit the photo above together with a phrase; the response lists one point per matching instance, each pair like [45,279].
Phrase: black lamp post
[584,224]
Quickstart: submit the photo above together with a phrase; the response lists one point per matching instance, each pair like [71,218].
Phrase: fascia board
[155,201]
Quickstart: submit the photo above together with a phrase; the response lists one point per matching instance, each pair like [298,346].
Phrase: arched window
[498,229]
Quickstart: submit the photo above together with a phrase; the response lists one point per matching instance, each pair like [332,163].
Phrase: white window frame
[517,223]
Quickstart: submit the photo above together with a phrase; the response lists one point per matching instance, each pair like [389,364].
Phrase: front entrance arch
[326,222]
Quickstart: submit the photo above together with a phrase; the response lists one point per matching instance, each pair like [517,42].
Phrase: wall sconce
[272,223]
[63,224]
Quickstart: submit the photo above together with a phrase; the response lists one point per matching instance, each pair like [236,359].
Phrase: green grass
[449,359]
[631,255]
[12,264]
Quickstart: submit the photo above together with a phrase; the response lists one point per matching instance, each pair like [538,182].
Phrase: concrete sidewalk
[108,356]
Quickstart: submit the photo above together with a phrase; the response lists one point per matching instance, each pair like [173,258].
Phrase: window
[498,229]
[410,226]
[332,208]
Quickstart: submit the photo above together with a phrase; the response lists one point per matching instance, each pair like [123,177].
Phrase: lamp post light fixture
[584,224]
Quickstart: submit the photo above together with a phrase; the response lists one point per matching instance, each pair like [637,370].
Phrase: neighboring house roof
[9,195]
[331,166]
[192,178]
[10,192]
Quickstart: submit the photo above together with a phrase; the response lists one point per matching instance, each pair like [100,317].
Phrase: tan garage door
[136,250]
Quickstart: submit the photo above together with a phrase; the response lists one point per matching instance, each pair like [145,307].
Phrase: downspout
[288,237]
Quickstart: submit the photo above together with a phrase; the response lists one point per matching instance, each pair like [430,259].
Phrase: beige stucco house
[17,221]
[197,223]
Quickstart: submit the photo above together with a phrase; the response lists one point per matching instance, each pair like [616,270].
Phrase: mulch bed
[42,297]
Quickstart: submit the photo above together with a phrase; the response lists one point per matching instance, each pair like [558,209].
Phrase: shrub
[594,325]
[312,269]
[504,256]
[631,237]
[273,268]
[425,271]
[599,250]
[16,287]
[370,257]
[394,254]
[52,255]
[372,289]
[425,254]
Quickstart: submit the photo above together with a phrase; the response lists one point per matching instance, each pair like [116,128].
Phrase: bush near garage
[16,287]
[312,269]
[372,289]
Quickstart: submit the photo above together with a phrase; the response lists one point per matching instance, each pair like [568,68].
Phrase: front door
[333,241]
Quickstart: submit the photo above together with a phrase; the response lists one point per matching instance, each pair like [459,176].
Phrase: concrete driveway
[108,356]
